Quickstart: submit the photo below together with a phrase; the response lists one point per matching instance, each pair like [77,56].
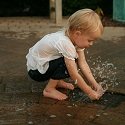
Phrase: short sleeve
[67,49]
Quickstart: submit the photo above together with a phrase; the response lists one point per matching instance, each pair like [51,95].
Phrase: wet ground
[21,99]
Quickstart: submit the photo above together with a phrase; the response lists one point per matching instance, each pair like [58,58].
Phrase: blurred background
[41,7]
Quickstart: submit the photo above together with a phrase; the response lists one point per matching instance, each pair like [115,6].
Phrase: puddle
[109,99]
[105,74]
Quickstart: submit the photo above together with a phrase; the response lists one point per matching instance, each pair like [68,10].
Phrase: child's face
[84,40]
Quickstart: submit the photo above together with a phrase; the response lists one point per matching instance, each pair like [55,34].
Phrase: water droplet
[75,82]
[104,72]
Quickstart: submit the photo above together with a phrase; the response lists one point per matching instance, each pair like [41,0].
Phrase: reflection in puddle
[109,99]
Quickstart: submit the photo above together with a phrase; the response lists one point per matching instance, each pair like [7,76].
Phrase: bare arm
[85,69]
[73,72]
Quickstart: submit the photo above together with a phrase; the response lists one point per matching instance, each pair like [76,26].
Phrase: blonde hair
[84,20]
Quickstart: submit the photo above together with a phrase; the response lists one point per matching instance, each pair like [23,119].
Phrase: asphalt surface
[21,99]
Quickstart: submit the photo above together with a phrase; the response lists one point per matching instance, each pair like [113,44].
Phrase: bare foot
[65,85]
[55,94]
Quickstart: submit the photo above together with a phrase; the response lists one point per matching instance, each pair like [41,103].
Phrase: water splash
[104,72]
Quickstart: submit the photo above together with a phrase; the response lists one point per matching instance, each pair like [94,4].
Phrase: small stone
[98,115]
[52,116]
[30,123]
[105,113]
[91,117]
[69,115]
[69,106]
[18,109]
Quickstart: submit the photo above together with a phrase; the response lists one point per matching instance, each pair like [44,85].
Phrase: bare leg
[51,92]
[65,85]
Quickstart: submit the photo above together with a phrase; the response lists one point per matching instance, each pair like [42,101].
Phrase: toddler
[59,55]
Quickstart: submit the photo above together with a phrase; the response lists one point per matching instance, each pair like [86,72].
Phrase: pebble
[69,115]
[52,116]
[30,123]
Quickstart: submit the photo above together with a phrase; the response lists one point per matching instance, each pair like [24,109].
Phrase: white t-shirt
[50,47]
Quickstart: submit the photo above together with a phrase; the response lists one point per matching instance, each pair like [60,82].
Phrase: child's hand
[94,95]
[100,90]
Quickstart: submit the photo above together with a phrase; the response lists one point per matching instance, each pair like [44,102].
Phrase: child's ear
[78,33]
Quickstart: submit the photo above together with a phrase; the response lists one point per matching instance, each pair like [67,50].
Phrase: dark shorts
[57,70]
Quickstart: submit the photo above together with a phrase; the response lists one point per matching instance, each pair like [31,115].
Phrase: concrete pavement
[21,100]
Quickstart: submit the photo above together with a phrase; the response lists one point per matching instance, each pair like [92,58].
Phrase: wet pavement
[21,99]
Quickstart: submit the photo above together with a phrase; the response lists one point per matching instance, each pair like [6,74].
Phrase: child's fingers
[94,95]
